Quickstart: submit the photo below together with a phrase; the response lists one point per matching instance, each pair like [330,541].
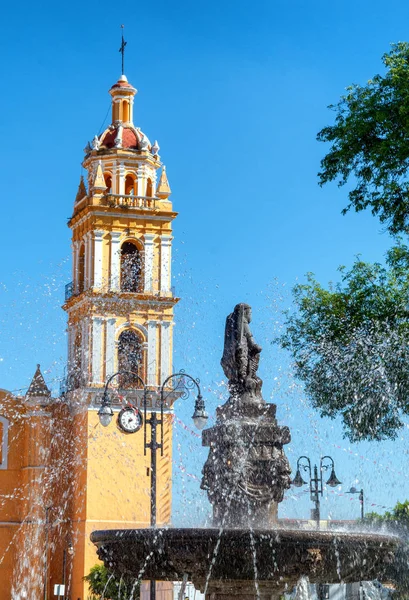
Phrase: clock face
[130,419]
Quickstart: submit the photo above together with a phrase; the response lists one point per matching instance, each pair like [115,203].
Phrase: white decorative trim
[149,252]
[127,304]
[70,344]
[121,173]
[154,181]
[134,240]
[86,254]
[165,263]
[110,348]
[97,324]
[4,443]
[98,249]
[85,350]
[118,139]
[114,178]
[128,325]
[75,264]
[131,98]
[34,468]
[152,333]
[137,215]
[88,260]
[37,413]
[141,174]
[115,260]
[165,359]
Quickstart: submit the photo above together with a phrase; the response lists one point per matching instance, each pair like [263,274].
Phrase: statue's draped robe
[234,359]
[241,353]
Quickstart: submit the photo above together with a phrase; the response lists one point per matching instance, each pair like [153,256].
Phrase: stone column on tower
[115,260]
[98,264]
[166,245]
[149,261]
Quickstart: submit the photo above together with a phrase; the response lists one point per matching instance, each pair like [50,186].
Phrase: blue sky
[235,93]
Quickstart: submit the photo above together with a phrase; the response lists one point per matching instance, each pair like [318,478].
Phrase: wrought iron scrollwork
[181,382]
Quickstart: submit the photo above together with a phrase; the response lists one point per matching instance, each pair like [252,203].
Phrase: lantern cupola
[123,95]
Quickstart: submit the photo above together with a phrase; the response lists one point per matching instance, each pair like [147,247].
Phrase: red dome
[122,84]
[129,138]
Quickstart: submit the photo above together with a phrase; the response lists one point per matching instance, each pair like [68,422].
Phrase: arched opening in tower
[131,185]
[125,111]
[76,377]
[131,268]
[130,359]
[108,182]
[149,188]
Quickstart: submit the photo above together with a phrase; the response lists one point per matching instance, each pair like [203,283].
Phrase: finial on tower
[163,190]
[38,387]
[99,184]
[122,49]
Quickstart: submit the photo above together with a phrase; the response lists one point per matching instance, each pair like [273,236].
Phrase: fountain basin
[228,562]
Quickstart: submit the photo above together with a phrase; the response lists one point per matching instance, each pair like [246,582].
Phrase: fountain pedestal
[247,472]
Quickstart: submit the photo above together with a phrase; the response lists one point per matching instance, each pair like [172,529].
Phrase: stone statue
[96,143]
[118,139]
[155,148]
[144,143]
[246,472]
[241,353]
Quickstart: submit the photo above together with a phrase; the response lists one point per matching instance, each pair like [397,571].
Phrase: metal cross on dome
[122,48]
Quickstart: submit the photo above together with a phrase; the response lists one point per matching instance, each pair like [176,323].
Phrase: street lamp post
[316,483]
[353,490]
[47,521]
[69,550]
[199,417]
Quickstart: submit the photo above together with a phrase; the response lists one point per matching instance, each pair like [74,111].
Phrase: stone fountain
[246,553]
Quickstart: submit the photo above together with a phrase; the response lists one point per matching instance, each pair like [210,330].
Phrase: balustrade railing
[69,290]
[129,201]
[138,289]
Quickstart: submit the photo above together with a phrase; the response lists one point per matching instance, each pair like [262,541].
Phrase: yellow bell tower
[121,297]
[120,318]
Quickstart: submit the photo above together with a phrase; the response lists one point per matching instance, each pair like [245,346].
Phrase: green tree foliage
[396,522]
[398,517]
[350,345]
[370,143]
[103,584]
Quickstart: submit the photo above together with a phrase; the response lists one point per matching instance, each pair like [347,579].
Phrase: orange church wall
[95,478]
[7,554]
[10,505]
[110,489]
[78,587]
[118,481]
[118,484]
